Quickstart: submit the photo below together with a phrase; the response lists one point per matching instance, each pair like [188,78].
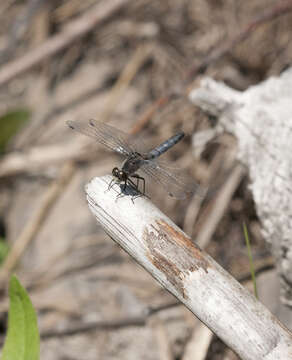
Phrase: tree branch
[192,276]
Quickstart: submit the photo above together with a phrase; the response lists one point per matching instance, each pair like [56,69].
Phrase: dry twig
[198,346]
[33,226]
[72,32]
[125,78]
[282,8]
[220,204]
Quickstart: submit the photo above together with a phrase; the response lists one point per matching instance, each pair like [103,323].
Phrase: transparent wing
[106,135]
[175,181]
[137,142]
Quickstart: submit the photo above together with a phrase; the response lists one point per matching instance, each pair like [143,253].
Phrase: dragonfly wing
[137,142]
[106,135]
[175,181]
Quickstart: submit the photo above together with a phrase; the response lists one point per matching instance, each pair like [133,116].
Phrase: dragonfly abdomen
[167,144]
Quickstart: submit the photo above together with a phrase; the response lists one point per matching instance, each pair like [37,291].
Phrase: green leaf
[22,341]
[4,249]
[10,123]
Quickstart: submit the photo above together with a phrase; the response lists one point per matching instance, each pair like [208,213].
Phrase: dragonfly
[176,182]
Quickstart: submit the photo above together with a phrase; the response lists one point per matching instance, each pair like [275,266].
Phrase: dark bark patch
[174,254]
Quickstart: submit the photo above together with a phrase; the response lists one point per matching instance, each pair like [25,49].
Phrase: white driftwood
[170,256]
[261,120]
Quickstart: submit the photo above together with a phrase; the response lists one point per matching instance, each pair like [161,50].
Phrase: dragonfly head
[119,174]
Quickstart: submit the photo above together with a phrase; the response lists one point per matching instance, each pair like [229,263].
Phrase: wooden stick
[70,33]
[191,275]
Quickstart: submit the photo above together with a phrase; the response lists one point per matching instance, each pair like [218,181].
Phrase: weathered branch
[261,120]
[192,276]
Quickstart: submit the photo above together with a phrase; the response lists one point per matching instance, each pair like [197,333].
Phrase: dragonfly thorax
[132,164]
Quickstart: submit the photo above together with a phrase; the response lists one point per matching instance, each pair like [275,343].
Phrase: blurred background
[131,64]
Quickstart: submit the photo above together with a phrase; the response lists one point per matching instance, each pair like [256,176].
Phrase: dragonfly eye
[122,175]
[115,172]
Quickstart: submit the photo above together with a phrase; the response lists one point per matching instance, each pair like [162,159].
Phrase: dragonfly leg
[138,177]
[111,184]
[138,194]
[130,182]
[133,184]
[123,188]
[125,184]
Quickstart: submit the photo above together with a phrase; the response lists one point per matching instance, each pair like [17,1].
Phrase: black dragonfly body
[174,180]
